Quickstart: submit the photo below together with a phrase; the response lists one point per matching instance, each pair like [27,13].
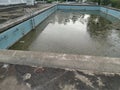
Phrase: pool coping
[63,61]
[91,5]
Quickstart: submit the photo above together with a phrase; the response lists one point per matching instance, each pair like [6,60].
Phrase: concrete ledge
[64,4]
[82,62]
[91,5]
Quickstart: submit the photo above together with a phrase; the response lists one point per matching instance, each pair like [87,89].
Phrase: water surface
[75,32]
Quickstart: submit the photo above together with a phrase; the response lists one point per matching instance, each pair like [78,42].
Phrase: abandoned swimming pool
[75,32]
[73,29]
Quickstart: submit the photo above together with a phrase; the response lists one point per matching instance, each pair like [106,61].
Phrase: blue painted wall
[114,13]
[12,35]
[78,7]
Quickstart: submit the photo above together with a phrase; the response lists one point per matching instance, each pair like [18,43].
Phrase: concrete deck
[25,70]
[10,18]
[22,77]
[81,62]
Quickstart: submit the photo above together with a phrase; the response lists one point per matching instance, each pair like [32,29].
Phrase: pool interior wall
[12,35]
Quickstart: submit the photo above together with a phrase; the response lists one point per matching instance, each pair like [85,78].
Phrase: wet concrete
[22,77]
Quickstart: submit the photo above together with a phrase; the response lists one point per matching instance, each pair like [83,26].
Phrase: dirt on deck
[21,77]
[15,12]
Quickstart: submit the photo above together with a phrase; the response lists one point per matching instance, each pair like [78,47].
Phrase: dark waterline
[75,32]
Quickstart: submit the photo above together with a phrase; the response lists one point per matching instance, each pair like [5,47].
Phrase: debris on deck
[21,77]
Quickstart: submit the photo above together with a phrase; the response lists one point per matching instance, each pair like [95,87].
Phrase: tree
[96,1]
[99,2]
[115,3]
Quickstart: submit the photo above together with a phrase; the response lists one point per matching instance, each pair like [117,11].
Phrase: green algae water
[75,32]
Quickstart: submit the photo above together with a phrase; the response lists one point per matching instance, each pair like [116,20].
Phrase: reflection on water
[21,77]
[76,32]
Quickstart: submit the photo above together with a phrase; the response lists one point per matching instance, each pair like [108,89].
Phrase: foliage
[50,1]
[115,3]
[105,2]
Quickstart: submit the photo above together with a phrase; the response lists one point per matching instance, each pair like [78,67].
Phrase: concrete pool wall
[13,32]
[110,11]
[78,7]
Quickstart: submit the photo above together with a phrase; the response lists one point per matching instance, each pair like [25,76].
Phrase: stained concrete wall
[110,11]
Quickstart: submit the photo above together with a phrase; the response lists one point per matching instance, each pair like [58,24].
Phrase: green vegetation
[101,2]
[113,3]
[50,1]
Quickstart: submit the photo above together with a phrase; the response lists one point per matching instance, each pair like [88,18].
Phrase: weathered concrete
[4,8]
[22,77]
[27,13]
[82,62]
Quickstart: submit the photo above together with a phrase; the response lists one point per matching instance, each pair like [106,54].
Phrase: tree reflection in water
[98,27]
[75,32]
